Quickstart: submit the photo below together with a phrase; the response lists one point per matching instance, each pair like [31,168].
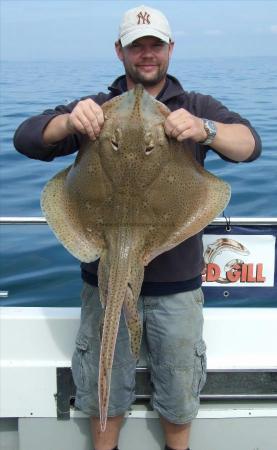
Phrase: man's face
[145,60]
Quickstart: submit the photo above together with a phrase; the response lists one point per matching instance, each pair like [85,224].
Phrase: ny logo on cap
[143,18]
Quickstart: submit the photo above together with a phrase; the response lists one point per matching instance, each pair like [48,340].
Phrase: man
[171,298]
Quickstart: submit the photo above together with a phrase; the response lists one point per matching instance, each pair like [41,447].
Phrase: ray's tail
[114,282]
[114,301]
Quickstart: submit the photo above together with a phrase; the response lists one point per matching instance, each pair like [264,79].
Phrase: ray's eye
[114,144]
[149,149]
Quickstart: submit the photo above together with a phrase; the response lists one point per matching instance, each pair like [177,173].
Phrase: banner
[240,266]
[239,260]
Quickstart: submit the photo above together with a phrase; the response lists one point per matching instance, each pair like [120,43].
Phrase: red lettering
[250,274]
[259,273]
[244,272]
[213,272]
[234,274]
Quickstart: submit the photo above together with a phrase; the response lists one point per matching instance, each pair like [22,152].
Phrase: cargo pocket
[200,367]
[80,363]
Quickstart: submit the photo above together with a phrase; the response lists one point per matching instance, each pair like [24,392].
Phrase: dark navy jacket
[180,268]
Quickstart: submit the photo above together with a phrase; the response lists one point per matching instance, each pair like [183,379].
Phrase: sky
[83,29]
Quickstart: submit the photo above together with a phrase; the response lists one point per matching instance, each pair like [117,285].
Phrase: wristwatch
[210,129]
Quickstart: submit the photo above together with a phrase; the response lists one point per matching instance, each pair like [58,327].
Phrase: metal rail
[23,221]
[227,386]
[268,221]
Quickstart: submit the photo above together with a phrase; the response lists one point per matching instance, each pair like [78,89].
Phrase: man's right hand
[87,118]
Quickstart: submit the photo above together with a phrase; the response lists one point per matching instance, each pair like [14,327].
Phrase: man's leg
[174,326]
[85,370]
[108,439]
[176,436]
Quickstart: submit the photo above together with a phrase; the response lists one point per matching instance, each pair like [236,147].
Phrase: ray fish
[131,195]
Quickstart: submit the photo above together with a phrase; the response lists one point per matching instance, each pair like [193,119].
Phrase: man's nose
[147,51]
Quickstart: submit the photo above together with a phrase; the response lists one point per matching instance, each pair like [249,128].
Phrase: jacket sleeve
[28,136]
[215,110]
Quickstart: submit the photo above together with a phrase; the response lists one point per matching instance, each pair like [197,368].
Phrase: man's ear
[171,47]
[118,49]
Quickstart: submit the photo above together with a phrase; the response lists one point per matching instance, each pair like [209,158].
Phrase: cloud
[273,29]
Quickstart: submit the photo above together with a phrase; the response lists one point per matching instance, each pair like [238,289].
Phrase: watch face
[210,128]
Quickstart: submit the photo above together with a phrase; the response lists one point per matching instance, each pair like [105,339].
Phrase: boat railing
[255,221]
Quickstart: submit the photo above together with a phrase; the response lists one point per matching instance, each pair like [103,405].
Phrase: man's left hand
[181,125]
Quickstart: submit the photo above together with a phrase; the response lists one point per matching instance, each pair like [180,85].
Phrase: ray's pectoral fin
[59,210]
[185,198]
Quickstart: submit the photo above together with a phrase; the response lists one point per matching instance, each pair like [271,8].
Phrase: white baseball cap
[144,21]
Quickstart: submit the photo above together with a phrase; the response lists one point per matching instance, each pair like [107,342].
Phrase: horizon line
[177,58]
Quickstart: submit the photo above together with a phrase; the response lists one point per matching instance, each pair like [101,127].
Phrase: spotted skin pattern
[131,195]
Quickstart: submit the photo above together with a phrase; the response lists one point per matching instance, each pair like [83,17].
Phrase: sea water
[35,269]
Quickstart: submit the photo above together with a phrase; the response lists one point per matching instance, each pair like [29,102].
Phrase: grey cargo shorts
[176,356]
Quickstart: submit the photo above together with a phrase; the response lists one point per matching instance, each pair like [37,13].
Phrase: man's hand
[182,125]
[87,118]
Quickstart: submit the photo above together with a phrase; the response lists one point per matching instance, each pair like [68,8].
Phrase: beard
[137,77]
